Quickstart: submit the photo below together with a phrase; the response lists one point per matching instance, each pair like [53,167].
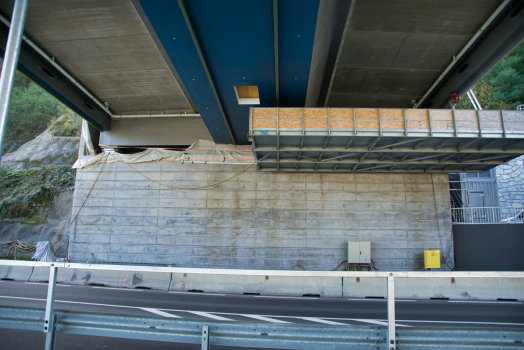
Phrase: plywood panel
[441,125]
[346,114]
[284,113]
[316,124]
[367,124]
[366,114]
[418,125]
[441,114]
[315,113]
[465,115]
[341,124]
[392,114]
[264,124]
[393,124]
[491,120]
[264,113]
[467,125]
[417,114]
[290,123]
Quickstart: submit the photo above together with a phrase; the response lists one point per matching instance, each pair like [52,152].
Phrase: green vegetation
[502,87]
[27,193]
[69,125]
[32,108]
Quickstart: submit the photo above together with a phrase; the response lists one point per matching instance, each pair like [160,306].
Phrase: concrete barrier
[125,279]
[263,285]
[427,288]
[16,273]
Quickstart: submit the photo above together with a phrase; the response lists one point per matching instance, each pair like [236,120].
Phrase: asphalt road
[204,307]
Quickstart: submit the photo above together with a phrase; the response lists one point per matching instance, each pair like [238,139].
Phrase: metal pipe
[180,115]
[475,97]
[12,51]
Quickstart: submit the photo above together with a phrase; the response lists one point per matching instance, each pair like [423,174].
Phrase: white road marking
[305,318]
[484,302]
[161,313]
[466,322]
[266,319]
[208,315]
[319,320]
[268,296]
[138,290]
[39,284]
[381,323]
[373,299]
[192,293]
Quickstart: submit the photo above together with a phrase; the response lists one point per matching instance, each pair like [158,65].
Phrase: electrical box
[432,259]
[359,252]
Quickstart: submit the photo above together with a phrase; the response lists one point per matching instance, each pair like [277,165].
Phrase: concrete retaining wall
[510,183]
[258,220]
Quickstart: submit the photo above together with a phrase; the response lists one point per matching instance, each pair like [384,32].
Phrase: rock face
[45,149]
[48,228]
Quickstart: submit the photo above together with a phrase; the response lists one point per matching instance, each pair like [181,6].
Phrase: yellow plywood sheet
[341,124]
[417,114]
[418,125]
[263,124]
[346,114]
[311,113]
[366,114]
[284,113]
[264,113]
[442,125]
[367,124]
[392,124]
[441,114]
[392,114]
[316,124]
[290,123]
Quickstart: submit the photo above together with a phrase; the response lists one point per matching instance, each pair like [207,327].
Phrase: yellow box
[432,259]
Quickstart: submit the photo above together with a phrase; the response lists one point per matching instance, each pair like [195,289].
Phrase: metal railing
[487,215]
[268,336]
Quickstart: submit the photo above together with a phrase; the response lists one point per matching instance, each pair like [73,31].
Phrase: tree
[503,86]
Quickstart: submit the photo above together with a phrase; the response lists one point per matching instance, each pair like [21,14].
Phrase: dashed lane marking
[209,315]
[262,318]
[320,320]
[160,313]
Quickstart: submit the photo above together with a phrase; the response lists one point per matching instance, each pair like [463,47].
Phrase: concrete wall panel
[258,220]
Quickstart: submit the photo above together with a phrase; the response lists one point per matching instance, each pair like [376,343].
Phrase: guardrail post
[205,337]
[50,317]
[391,312]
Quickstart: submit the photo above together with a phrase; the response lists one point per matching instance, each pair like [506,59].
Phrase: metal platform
[381,150]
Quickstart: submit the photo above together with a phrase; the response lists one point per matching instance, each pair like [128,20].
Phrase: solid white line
[372,299]
[161,313]
[196,293]
[208,315]
[319,320]
[262,318]
[268,296]
[40,284]
[138,290]
[467,322]
[381,323]
[484,302]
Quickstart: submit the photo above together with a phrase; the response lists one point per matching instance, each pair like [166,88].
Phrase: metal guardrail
[282,336]
[487,215]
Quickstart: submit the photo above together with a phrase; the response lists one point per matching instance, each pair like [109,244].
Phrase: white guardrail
[487,215]
[290,337]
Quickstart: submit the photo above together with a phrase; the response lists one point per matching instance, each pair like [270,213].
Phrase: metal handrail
[50,317]
[487,215]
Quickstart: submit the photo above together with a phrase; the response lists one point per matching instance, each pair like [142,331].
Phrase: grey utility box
[359,252]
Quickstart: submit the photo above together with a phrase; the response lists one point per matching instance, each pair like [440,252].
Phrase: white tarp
[201,151]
